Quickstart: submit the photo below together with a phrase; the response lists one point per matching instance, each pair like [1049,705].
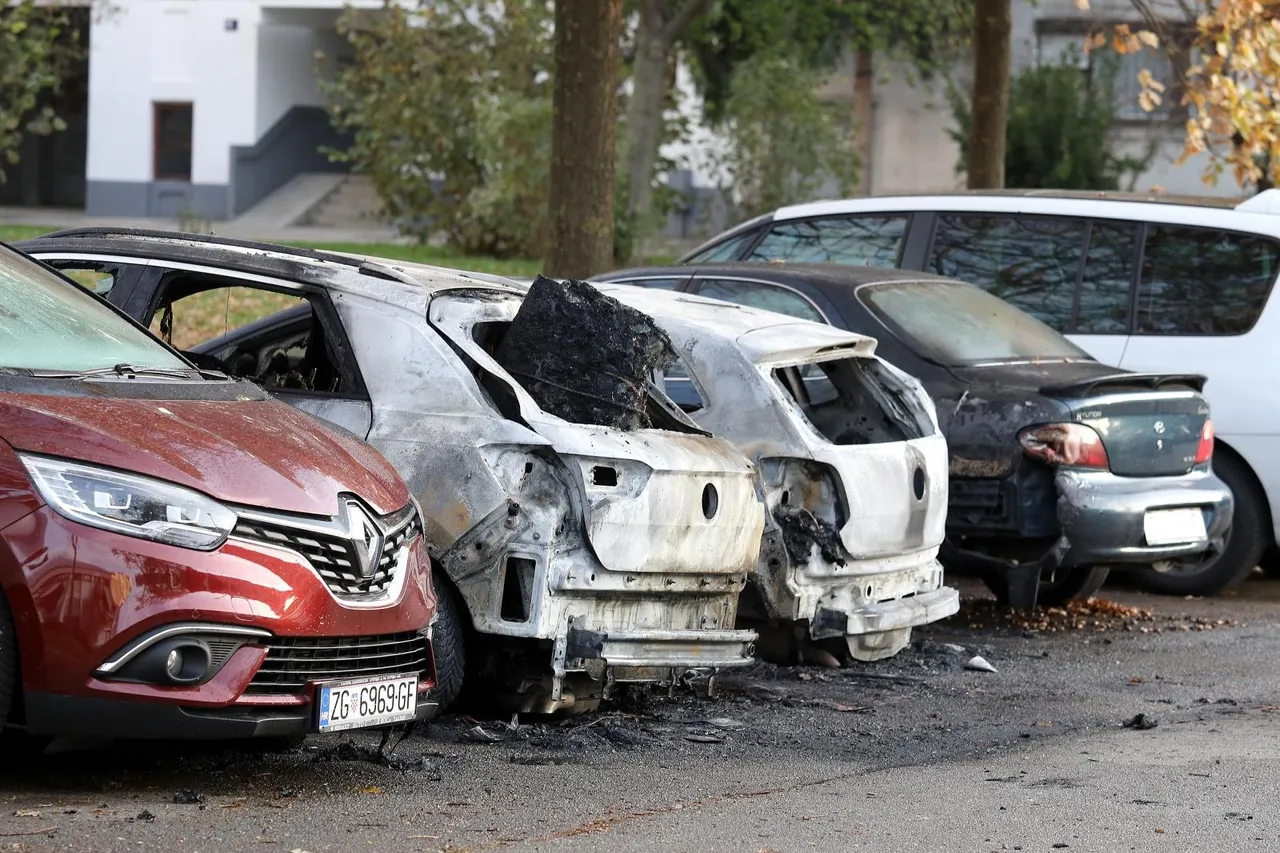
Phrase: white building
[204,107]
[908,149]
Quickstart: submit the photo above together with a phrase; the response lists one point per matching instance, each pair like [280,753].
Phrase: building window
[1126,68]
[172,142]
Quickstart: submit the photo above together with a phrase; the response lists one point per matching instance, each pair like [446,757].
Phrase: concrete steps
[353,203]
[293,201]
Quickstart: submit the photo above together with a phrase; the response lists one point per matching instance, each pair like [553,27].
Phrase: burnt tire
[448,641]
[8,662]
[1075,584]
[1246,540]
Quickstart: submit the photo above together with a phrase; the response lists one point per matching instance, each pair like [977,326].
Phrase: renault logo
[366,539]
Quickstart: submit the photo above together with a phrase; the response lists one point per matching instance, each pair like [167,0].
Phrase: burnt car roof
[762,335]
[299,264]
[783,273]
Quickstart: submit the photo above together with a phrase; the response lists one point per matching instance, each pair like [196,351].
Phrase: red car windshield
[47,323]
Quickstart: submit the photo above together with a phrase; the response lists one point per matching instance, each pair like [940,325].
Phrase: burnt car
[1061,468]
[180,555]
[851,461]
[570,555]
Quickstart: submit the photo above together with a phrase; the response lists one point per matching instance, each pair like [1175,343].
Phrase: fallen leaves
[1094,615]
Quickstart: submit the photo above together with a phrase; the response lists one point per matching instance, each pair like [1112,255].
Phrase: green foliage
[38,46]
[783,143]
[1059,129]
[816,33]
[449,103]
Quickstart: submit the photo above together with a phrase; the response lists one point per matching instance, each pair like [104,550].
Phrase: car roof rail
[1267,201]
[361,265]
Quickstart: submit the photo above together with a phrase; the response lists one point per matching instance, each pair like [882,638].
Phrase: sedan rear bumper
[1103,515]
[887,616]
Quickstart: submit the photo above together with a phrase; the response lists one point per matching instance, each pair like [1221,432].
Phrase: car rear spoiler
[1112,381]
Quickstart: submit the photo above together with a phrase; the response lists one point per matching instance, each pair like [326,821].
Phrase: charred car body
[1060,467]
[850,457]
[180,555]
[575,554]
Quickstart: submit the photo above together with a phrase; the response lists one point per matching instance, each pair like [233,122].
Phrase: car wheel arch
[1255,484]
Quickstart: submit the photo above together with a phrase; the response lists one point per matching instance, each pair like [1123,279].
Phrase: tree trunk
[862,104]
[585,103]
[992,29]
[661,23]
[645,112]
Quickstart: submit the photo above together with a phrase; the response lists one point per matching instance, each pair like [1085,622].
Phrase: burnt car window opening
[850,401]
[98,278]
[866,241]
[1201,281]
[956,324]
[48,324]
[729,250]
[638,398]
[756,294]
[1031,262]
[274,339]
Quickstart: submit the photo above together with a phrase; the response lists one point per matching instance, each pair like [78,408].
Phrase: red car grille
[294,662]
[332,556]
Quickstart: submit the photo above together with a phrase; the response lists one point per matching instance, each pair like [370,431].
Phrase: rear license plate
[363,702]
[1173,526]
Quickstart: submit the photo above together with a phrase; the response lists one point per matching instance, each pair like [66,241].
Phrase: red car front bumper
[83,598]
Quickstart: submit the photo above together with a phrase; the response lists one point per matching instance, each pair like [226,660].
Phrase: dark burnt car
[1061,468]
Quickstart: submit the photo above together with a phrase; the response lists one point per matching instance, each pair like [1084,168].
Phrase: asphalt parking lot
[914,753]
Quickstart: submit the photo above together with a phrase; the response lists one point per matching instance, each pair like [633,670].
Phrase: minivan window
[47,323]
[1032,262]
[1103,304]
[1202,281]
[728,250]
[868,241]
[956,324]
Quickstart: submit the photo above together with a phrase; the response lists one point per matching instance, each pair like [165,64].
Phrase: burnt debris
[584,356]
[801,530]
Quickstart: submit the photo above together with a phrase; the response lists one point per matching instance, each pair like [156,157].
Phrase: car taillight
[1204,450]
[1076,445]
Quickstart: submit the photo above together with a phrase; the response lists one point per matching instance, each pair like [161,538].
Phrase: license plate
[1173,526]
[363,702]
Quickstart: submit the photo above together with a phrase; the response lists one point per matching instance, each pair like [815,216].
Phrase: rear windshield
[47,323]
[953,323]
[853,401]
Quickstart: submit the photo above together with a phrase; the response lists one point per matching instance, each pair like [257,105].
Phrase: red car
[181,556]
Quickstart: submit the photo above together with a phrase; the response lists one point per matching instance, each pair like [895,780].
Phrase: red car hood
[254,453]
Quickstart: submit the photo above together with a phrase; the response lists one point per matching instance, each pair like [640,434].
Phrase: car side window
[653,283]
[96,276]
[758,294]
[275,339]
[1202,281]
[871,241]
[727,250]
[1031,262]
[1103,305]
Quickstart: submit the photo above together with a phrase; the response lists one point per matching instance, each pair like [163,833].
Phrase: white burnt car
[852,463]
[573,555]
